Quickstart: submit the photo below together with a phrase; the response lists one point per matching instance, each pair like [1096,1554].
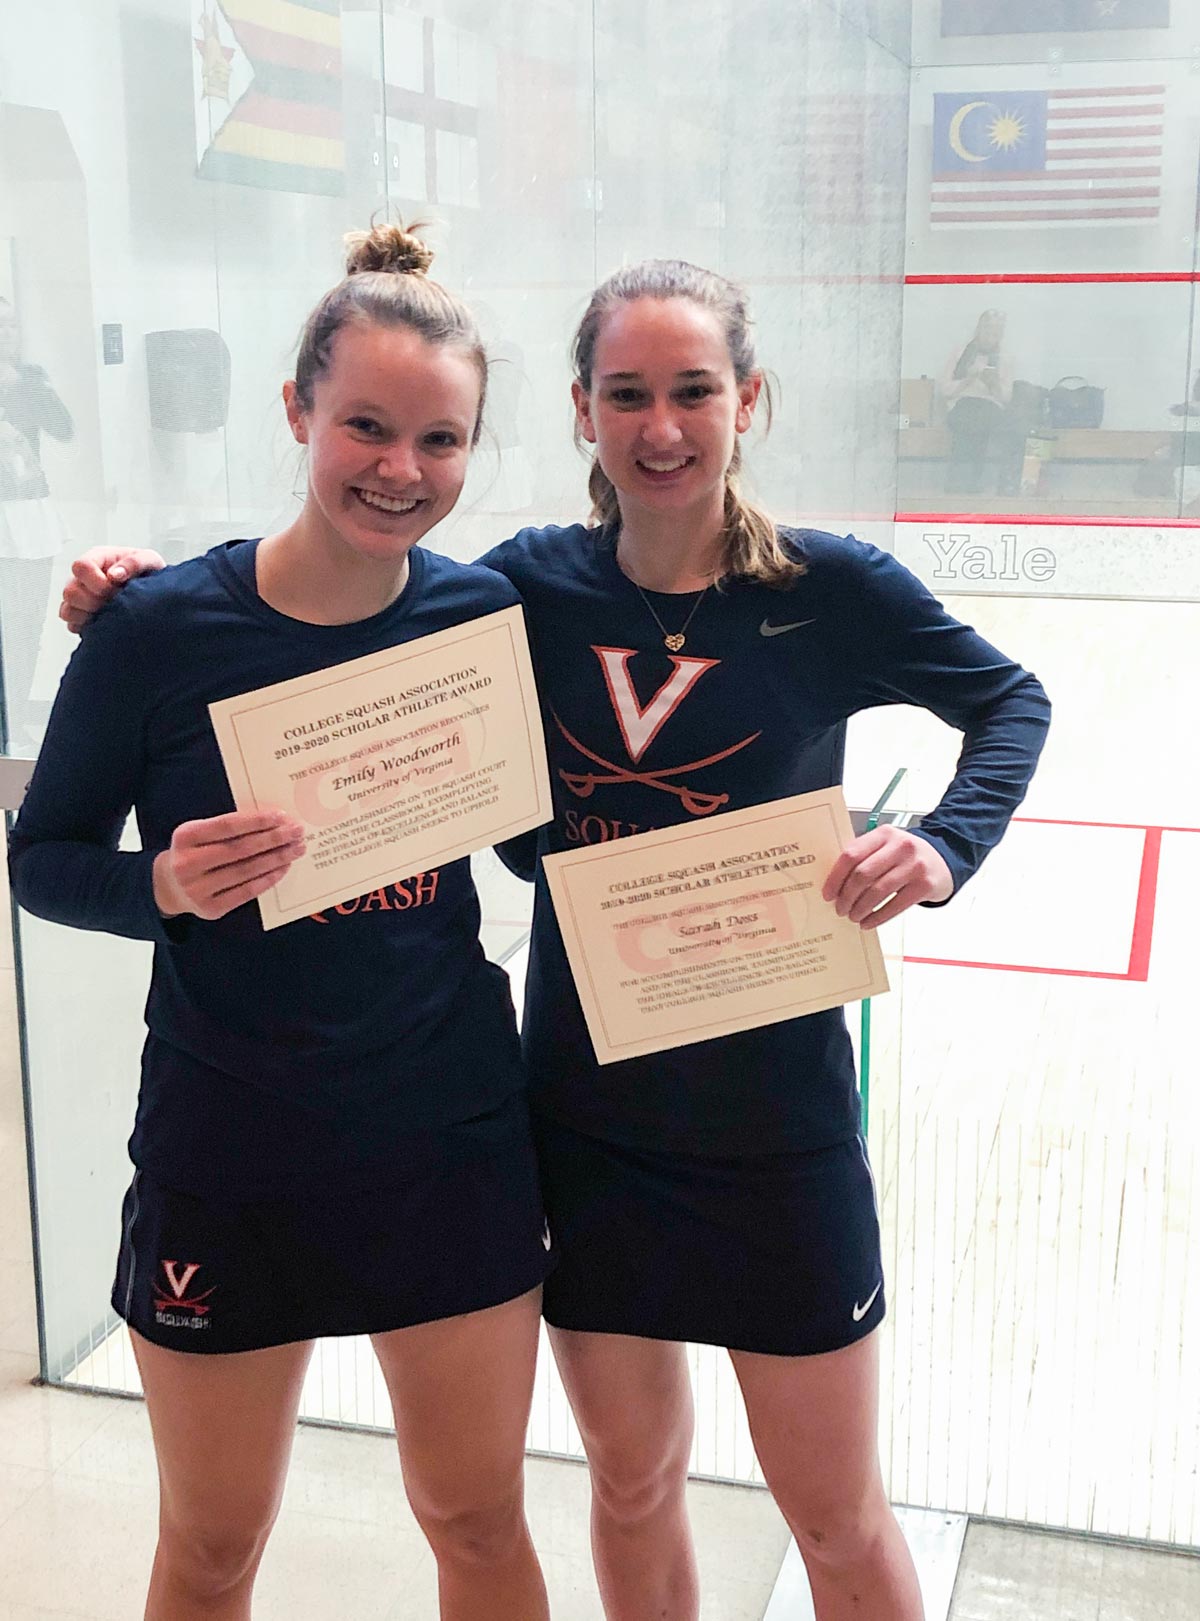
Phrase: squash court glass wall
[175,176]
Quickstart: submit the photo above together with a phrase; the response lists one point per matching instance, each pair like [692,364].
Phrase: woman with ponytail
[332,1135]
[695,656]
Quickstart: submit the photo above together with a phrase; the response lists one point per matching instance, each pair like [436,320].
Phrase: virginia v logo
[640,725]
[179,1284]
[175,1296]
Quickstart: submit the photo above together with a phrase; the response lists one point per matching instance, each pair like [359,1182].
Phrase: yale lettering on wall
[1002,558]
[1140,562]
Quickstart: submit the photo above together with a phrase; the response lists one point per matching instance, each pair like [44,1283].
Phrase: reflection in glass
[1065,399]
[31,530]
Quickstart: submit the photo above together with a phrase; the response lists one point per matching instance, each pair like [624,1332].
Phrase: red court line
[1048,278]
[1041,521]
[847,517]
[1017,968]
[1143,917]
[1071,821]
[1138,971]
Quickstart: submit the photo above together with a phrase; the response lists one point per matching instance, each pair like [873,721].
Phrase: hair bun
[391,248]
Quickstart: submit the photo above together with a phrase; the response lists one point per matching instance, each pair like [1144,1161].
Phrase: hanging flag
[844,167]
[1051,16]
[268,82]
[543,140]
[834,157]
[1036,157]
[425,143]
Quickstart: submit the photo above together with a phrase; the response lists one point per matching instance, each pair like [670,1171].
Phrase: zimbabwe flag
[268,81]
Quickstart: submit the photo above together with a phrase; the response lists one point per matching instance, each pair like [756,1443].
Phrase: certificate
[394,763]
[693,932]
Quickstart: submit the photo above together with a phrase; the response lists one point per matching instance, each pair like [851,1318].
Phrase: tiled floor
[77,1505]
[1010,1574]
[77,1511]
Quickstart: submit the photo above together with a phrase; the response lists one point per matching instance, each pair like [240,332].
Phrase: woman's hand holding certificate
[693,932]
[394,763]
[218,864]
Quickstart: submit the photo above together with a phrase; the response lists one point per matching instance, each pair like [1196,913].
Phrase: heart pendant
[675,641]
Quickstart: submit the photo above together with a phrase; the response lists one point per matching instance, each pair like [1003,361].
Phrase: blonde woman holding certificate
[332,1134]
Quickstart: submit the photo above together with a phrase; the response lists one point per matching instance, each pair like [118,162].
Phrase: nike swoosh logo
[767,629]
[861,1311]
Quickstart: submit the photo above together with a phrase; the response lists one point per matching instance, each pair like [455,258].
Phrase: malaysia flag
[1048,157]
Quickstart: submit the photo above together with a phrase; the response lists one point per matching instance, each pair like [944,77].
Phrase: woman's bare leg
[461,1390]
[223,1428]
[632,1400]
[814,1421]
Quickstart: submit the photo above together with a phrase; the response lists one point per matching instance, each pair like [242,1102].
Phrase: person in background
[977,388]
[31,533]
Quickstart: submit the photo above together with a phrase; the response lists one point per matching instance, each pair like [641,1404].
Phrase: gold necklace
[673,640]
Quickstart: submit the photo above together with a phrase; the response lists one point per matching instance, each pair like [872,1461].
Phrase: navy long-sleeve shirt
[753,708]
[273,1056]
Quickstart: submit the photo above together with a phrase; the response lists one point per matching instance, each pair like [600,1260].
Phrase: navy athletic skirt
[457,1225]
[776,1253]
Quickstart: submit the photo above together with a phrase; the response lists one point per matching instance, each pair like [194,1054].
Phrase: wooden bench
[1065,444]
